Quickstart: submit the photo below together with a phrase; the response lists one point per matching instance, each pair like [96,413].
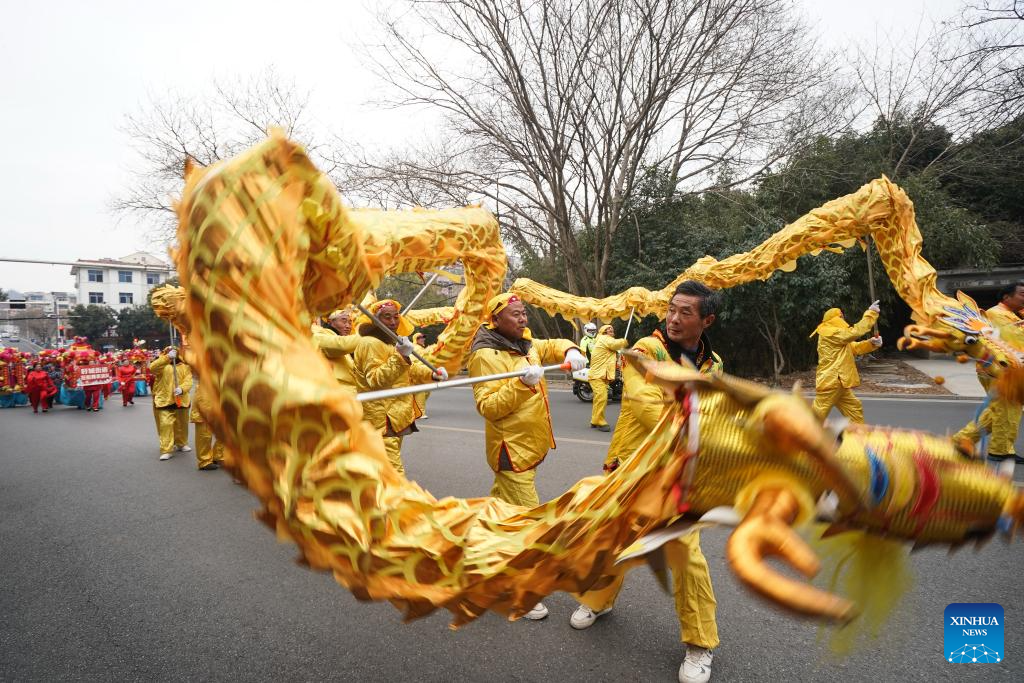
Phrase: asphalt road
[116,566]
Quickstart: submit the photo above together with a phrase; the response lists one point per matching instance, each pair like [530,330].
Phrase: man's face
[388,316]
[342,324]
[1016,300]
[684,324]
[511,322]
[609,332]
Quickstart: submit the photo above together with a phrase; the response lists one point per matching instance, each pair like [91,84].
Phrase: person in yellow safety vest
[419,340]
[1002,417]
[691,311]
[589,337]
[517,420]
[837,372]
[337,343]
[380,363]
[208,454]
[603,361]
[172,382]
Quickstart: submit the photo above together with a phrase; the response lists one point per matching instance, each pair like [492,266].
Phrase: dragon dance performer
[172,382]
[1001,418]
[126,377]
[837,372]
[603,361]
[518,422]
[381,364]
[336,341]
[691,311]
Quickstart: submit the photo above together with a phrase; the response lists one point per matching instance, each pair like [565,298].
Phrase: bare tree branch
[554,108]
[205,127]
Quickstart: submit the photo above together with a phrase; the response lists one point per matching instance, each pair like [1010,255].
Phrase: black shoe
[211,466]
[998,457]
[602,428]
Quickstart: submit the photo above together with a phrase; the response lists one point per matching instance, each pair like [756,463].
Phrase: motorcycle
[584,392]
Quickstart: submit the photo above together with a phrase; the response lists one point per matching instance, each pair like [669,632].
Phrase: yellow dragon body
[265,244]
[879,210]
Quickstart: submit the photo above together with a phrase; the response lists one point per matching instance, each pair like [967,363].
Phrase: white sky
[72,70]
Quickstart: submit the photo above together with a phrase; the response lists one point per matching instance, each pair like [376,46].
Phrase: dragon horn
[766,531]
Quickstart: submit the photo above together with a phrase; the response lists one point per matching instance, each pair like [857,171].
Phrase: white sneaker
[696,667]
[185,449]
[584,617]
[166,456]
[538,612]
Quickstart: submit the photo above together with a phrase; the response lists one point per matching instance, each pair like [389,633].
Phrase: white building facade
[119,283]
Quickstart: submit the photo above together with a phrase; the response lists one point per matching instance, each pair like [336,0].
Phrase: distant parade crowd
[78,376]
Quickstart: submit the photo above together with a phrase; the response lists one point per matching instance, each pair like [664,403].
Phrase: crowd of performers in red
[77,376]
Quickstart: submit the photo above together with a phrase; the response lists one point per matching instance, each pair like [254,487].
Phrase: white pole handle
[450,384]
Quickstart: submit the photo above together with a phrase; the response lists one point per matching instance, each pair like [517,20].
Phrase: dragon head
[964,330]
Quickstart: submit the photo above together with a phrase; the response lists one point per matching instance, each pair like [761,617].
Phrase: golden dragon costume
[266,244]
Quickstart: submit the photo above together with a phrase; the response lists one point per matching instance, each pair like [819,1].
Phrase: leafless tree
[203,127]
[553,109]
[996,30]
[931,81]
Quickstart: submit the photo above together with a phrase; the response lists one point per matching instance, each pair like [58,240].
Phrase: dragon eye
[970,340]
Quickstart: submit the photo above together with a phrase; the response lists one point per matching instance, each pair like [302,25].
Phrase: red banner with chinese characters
[93,375]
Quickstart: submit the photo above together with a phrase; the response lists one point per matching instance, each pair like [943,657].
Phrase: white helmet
[590,329]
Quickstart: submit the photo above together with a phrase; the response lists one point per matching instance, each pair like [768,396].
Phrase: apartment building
[119,283]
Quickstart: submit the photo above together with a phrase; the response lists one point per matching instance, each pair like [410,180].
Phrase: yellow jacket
[202,406]
[377,365]
[643,402]
[338,349]
[163,381]
[837,345]
[603,358]
[587,345]
[1001,315]
[516,417]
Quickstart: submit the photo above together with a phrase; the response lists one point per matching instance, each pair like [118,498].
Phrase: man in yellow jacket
[172,384]
[603,361]
[691,311]
[837,372]
[517,420]
[337,343]
[1001,418]
[379,364]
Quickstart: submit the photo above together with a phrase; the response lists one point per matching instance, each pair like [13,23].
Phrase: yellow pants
[843,399]
[421,400]
[206,450]
[393,447]
[691,585]
[172,428]
[600,387]
[516,487]
[1001,419]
